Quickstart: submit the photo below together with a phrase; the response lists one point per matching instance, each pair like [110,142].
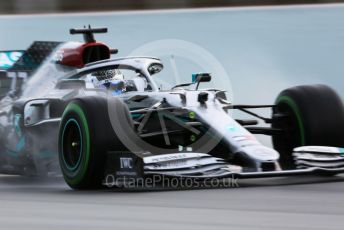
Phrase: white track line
[177,11]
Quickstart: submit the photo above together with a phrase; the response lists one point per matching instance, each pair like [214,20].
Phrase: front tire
[85,136]
[308,115]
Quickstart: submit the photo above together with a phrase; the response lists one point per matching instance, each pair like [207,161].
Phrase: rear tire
[312,115]
[85,136]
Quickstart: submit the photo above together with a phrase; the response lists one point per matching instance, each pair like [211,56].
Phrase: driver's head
[116,87]
[112,79]
[104,76]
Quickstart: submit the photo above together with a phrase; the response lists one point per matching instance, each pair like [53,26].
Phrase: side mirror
[155,68]
[201,77]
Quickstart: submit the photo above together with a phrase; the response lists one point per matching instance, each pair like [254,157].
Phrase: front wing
[309,160]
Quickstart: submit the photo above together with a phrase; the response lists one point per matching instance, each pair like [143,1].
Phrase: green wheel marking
[78,110]
[287,100]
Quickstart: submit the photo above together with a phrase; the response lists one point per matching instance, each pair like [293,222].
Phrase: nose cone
[261,153]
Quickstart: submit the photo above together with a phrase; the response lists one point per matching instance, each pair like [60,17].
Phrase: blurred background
[256,49]
[49,6]
[253,53]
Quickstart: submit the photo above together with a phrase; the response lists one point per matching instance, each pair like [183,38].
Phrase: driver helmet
[112,80]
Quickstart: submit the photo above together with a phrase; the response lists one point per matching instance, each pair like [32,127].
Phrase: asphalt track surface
[277,203]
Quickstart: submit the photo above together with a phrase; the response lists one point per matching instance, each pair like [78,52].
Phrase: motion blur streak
[279,46]
[276,204]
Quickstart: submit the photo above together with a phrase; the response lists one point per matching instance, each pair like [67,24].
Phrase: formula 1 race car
[89,115]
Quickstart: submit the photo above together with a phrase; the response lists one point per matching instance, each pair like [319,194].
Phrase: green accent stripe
[73,107]
[289,101]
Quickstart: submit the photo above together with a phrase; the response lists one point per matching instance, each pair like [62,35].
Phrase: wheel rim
[72,143]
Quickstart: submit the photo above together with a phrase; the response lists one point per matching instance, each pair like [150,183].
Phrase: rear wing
[7,60]
[17,66]
[32,58]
